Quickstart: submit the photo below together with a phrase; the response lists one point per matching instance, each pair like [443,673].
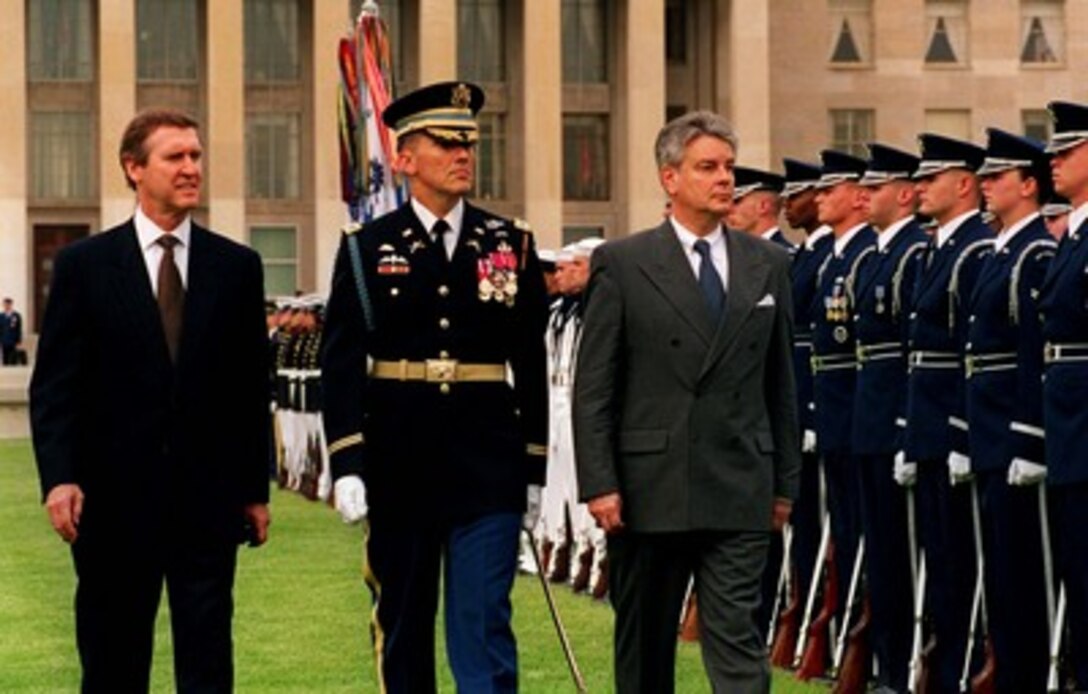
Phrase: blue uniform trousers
[479,559]
[1070,513]
[844,503]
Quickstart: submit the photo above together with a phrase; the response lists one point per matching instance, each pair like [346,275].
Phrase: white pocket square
[767,300]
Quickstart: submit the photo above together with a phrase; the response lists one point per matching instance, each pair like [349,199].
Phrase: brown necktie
[171,295]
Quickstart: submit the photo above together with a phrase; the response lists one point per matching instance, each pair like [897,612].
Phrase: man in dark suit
[685,418]
[445,299]
[149,409]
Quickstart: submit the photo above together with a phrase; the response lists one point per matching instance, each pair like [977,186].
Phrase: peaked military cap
[446,111]
[800,176]
[1056,206]
[888,164]
[746,180]
[940,153]
[1070,125]
[1005,151]
[839,167]
[547,259]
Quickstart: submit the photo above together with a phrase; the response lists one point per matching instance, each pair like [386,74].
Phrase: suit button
[675,342]
[444,323]
[444,389]
[971,319]
[443,290]
[394,291]
[914,315]
[967,346]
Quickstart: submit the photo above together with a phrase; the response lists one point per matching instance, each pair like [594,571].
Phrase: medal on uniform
[840,333]
[393,265]
[497,275]
[880,299]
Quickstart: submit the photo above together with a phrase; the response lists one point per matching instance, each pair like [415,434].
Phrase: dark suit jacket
[695,424]
[155,447]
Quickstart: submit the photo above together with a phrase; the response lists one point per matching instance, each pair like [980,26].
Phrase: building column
[644,79]
[750,79]
[542,96]
[330,21]
[15,234]
[116,105]
[224,133]
[437,24]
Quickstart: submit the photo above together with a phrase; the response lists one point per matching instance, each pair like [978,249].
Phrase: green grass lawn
[301,610]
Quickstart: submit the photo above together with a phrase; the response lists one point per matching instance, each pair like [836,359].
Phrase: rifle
[983,681]
[814,660]
[1053,678]
[785,638]
[689,615]
[853,679]
[855,578]
[810,602]
[783,583]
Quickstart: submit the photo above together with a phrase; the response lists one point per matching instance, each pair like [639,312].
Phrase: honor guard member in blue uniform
[1003,367]
[882,302]
[757,202]
[443,299]
[843,205]
[1056,215]
[1063,302]
[799,195]
[948,193]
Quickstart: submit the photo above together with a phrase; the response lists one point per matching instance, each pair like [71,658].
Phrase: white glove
[959,468]
[1024,472]
[808,441]
[350,497]
[904,473]
[532,507]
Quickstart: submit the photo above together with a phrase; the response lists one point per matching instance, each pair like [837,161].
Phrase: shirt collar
[1005,237]
[148,233]
[688,237]
[769,234]
[843,241]
[428,218]
[820,232]
[885,237]
[945,231]
[1077,218]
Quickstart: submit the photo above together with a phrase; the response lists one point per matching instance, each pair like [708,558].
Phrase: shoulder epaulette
[852,276]
[1047,249]
[520,223]
[897,277]
[351,228]
[954,282]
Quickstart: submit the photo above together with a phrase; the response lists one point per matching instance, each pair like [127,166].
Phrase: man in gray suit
[685,418]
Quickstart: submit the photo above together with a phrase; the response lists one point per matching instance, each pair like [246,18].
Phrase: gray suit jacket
[695,424]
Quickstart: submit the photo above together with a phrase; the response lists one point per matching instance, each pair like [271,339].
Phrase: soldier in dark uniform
[445,299]
[948,192]
[11,333]
[1063,301]
[843,205]
[1004,366]
[799,194]
[882,303]
[757,202]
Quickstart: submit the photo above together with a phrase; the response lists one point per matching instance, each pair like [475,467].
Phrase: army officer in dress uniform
[444,299]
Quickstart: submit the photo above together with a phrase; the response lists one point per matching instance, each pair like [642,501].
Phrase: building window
[61,156]
[481,55]
[676,32]
[1037,124]
[851,129]
[851,26]
[59,41]
[946,32]
[585,41]
[167,40]
[491,157]
[278,248]
[272,40]
[585,157]
[272,156]
[1042,31]
[949,122]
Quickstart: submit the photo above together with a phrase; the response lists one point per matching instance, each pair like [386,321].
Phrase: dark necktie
[439,233]
[171,295]
[710,281]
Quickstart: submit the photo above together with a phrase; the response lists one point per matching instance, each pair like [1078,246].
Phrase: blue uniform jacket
[882,303]
[833,343]
[1005,353]
[806,265]
[1064,304]
[938,325]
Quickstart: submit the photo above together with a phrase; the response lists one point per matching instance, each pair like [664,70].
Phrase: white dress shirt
[843,241]
[454,218]
[148,233]
[718,256]
[1077,217]
[885,237]
[1007,235]
[945,231]
[817,234]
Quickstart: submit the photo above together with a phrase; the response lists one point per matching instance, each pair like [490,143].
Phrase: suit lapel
[132,288]
[747,278]
[201,293]
[670,272]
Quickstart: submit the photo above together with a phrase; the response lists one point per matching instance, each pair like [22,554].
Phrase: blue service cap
[800,176]
[888,164]
[940,154]
[747,180]
[1006,151]
[446,111]
[1070,125]
[839,167]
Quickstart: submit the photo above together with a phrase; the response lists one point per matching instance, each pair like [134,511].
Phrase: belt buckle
[440,370]
[1050,352]
[969,365]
